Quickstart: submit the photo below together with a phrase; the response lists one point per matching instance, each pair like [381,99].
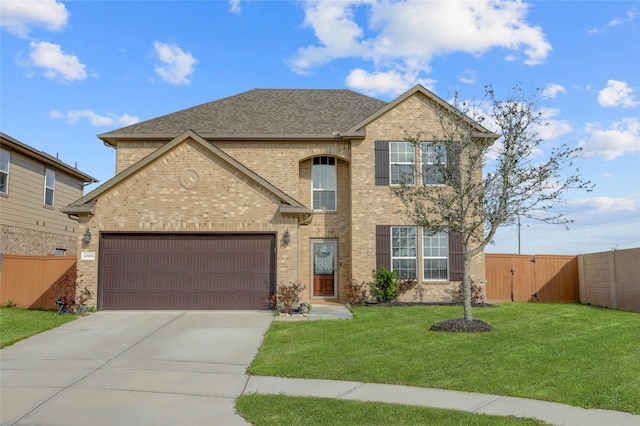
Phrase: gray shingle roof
[311,112]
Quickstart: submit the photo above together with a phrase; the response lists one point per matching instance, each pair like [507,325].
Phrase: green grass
[17,324]
[287,410]
[567,353]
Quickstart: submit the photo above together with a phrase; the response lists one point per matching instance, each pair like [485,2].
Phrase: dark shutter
[456,256]
[383,246]
[453,160]
[382,163]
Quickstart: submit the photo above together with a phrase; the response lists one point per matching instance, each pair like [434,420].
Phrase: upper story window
[434,156]
[435,255]
[49,186]
[5,158]
[323,183]
[395,163]
[402,160]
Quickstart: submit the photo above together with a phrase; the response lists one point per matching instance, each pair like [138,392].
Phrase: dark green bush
[384,286]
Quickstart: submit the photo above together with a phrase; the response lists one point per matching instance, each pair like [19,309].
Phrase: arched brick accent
[339,151]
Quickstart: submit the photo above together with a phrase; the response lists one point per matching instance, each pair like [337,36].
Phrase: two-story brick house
[213,206]
[34,185]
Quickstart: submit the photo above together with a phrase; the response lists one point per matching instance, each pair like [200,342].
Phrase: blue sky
[74,69]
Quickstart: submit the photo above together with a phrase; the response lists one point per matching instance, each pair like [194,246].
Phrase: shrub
[406,284]
[356,294]
[476,294]
[287,299]
[384,286]
[70,300]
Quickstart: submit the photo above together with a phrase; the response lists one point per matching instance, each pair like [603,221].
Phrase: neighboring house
[33,187]
[215,205]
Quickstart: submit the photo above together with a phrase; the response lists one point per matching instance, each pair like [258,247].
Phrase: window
[49,186]
[404,251]
[435,253]
[323,187]
[402,159]
[4,171]
[434,156]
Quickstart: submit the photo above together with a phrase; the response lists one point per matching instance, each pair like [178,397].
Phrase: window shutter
[382,163]
[383,246]
[453,160]
[456,256]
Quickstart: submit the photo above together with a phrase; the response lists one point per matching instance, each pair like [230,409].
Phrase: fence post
[582,281]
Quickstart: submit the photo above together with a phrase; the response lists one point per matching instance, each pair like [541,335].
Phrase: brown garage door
[180,271]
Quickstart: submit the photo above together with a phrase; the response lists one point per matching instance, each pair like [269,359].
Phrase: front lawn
[567,353]
[270,410]
[17,324]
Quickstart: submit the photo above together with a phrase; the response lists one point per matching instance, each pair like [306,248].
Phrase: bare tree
[455,194]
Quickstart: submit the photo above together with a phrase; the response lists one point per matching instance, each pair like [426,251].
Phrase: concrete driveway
[132,368]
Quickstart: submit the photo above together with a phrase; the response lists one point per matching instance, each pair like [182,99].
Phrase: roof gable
[85,204]
[311,113]
[482,131]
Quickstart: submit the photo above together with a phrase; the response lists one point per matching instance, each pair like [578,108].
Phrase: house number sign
[88,255]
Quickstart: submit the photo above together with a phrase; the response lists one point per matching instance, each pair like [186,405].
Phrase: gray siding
[23,206]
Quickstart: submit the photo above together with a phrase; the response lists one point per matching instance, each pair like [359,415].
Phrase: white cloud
[57,64]
[602,209]
[19,16]
[383,83]
[468,77]
[552,90]
[620,138]
[175,65]
[631,15]
[95,119]
[617,93]
[404,37]
[234,7]
[554,128]
[615,22]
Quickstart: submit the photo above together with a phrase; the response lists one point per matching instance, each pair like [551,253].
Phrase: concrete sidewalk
[550,412]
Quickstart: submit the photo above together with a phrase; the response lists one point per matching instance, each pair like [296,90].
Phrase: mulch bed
[461,325]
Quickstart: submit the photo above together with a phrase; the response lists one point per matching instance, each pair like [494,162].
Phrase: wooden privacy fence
[531,278]
[29,281]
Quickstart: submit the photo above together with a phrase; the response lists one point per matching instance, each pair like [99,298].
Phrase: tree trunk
[466,286]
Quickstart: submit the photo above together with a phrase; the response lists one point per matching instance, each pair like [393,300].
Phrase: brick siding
[225,200]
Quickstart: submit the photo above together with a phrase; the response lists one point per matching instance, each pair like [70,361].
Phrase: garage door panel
[170,262]
[129,300]
[130,262]
[168,283]
[186,271]
[127,281]
[169,244]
